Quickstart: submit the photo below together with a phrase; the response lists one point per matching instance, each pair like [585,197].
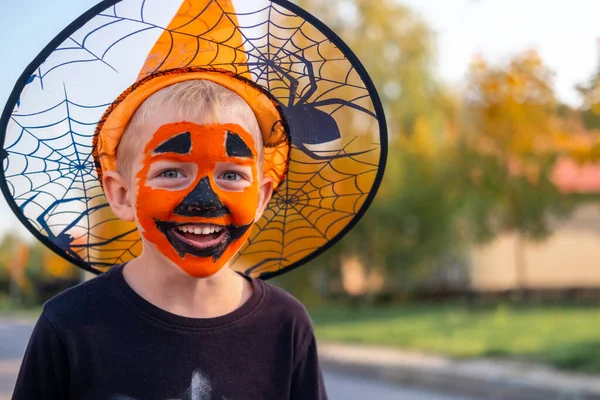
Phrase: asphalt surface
[14,335]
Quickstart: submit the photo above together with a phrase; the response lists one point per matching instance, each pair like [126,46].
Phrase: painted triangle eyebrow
[236,147]
[180,144]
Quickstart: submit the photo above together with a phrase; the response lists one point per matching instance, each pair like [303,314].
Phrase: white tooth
[212,229]
[217,229]
[198,231]
[205,230]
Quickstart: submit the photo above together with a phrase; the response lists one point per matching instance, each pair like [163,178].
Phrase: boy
[176,323]
[216,107]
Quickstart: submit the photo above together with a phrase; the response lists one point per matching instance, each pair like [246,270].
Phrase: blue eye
[231,176]
[170,174]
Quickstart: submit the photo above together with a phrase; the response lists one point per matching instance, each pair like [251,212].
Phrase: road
[14,335]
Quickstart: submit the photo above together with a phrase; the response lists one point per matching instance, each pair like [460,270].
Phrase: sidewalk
[481,378]
[8,373]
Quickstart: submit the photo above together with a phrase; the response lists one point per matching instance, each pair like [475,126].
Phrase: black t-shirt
[102,341]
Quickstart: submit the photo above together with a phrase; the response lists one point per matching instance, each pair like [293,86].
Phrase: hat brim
[336,122]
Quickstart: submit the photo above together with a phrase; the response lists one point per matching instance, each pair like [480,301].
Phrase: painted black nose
[202,202]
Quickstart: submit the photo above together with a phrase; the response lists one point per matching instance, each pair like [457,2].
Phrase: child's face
[197,193]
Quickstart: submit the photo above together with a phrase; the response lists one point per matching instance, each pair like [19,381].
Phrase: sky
[565,33]
[30,25]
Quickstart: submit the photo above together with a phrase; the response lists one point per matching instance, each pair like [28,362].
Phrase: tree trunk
[15,292]
[520,264]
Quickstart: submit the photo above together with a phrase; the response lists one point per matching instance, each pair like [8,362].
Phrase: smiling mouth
[200,236]
[200,240]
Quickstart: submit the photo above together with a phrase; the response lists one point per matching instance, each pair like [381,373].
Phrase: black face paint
[180,144]
[236,147]
[202,202]
[231,234]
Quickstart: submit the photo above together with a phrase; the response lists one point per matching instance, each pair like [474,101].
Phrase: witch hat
[322,122]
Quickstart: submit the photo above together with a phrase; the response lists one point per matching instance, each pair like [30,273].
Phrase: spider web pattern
[315,203]
[50,172]
[335,158]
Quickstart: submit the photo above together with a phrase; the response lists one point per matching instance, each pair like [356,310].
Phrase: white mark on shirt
[199,389]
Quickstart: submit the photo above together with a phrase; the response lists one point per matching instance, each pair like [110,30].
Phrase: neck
[171,289]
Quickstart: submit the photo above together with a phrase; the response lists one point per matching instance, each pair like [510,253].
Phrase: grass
[8,310]
[566,337]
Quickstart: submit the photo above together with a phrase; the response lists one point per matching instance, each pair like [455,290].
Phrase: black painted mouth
[229,234]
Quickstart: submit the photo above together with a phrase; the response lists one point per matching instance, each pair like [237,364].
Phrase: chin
[201,272]
[197,250]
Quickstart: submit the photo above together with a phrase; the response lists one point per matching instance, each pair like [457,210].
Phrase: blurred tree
[56,267]
[31,273]
[511,125]
[411,227]
[590,95]
[13,259]
[587,147]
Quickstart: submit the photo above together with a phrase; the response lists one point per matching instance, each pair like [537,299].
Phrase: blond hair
[191,100]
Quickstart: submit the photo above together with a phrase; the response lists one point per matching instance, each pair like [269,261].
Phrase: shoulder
[78,303]
[282,311]
[290,316]
[282,303]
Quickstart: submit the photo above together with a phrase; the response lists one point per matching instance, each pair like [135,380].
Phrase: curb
[480,378]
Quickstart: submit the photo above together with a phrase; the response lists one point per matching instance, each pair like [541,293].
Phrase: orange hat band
[266,110]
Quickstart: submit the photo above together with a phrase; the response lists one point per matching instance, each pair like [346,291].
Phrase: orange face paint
[198,193]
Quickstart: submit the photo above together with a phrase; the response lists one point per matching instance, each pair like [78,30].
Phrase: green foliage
[497,200]
[590,93]
[35,262]
[591,119]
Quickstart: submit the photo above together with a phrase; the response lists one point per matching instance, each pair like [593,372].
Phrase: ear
[118,196]
[265,191]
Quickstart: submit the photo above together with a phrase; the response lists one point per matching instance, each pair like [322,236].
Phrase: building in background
[567,259]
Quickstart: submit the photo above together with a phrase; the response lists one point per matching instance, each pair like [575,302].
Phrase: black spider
[308,124]
[63,239]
